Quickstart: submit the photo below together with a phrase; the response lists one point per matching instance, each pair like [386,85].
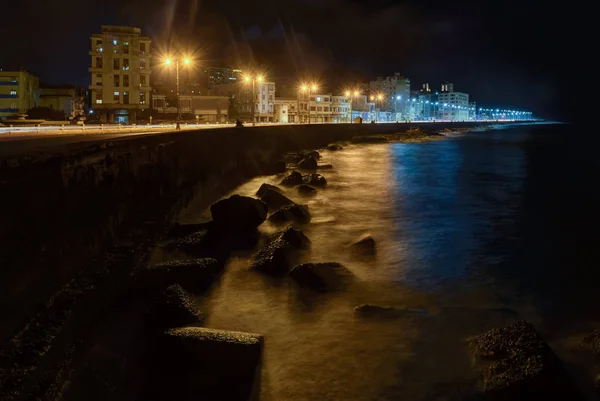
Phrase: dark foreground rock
[364,245]
[306,189]
[334,147]
[324,166]
[292,179]
[387,312]
[277,256]
[322,276]
[174,307]
[369,139]
[591,342]
[295,213]
[296,157]
[519,365]
[238,213]
[196,363]
[275,200]
[181,230]
[307,164]
[206,235]
[194,275]
[264,187]
[315,180]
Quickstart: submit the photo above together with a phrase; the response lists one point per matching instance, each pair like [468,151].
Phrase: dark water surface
[473,231]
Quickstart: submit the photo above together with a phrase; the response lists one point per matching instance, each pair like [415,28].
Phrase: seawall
[61,209]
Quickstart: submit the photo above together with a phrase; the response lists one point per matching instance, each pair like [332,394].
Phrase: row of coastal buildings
[130,84]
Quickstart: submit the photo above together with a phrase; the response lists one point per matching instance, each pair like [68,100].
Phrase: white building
[263,103]
[315,108]
[340,109]
[120,73]
[286,110]
[453,106]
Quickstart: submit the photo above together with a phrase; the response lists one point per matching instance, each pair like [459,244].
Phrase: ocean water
[473,232]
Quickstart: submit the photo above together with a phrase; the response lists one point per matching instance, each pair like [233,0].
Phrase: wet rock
[334,147]
[295,213]
[322,276]
[181,230]
[206,237]
[264,187]
[312,153]
[390,312]
[591,342]
[369,139]
[277,256]
[173,308]
[292,179]
[364,245]
[324,166]
[239,213]
[194,274]
[521,366]
[307,164]
[306,189]
[275,200]
[200,363]
[315,180]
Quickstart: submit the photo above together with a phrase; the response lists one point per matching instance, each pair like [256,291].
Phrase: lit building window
[116,96]
[115,42]
[142,97]
[13,93]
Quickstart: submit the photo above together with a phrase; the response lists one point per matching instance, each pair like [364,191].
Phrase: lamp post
[186,62]
[252,79]
[310,89]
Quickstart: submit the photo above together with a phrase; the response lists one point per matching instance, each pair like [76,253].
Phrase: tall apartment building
[218,76]
[263,103]
[19,92]
[394,89]
[120,73]
[453,105]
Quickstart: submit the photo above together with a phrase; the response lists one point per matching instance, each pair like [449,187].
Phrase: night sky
[506,54]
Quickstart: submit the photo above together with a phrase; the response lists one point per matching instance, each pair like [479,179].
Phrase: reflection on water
[457,226]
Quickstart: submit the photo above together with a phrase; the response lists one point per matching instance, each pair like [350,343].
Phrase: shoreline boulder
[276,256]
[239,213]
[369,139]
[295,213]
[173,308]
[364,245]
[315,180]
[307,163]
[275,200]
[195,242]
[194,275]
[334,146]
[322,276]
[292,179]
[520,365]
[306,189]
[264,187]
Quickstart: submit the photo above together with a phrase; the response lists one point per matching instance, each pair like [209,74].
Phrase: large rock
[193,274]
[275,200]
[324,166]
[196,242]
[307,164]
[295,213]
[277,256]
[239,213]
[364,245]
[519,365]
[315,180]
[306,189]
[591,342]
[196,363]
[181,230]
[264,187]
[173,308]
[322,276]
[334,147]
[292,179]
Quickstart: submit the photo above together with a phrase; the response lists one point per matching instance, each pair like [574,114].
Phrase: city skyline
[466,44]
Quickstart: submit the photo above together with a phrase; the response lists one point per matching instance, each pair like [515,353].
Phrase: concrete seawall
[61,209]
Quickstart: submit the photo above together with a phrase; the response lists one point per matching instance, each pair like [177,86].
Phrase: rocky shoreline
[156,311]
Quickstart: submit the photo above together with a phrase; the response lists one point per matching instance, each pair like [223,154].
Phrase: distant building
[18,92]
[453,105]
[447,87]
[395,91]
[120,73]
[263,102]
[340,109]
[315,108]
[205,109]
[286,109]
[59,98]
[219,76]
[224,90]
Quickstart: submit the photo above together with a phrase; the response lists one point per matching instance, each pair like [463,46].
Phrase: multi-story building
[315,108]
[286,110]
[18,93]
[340,109]
[395,91]
[204,109]
[453,105]
[263,102]
[218,76]
[120,73]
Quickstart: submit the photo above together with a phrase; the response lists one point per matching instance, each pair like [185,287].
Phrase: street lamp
[252,79]
[186,62]
[310,89]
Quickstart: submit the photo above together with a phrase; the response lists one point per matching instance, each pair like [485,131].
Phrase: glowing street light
[168,61]
[248,79]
